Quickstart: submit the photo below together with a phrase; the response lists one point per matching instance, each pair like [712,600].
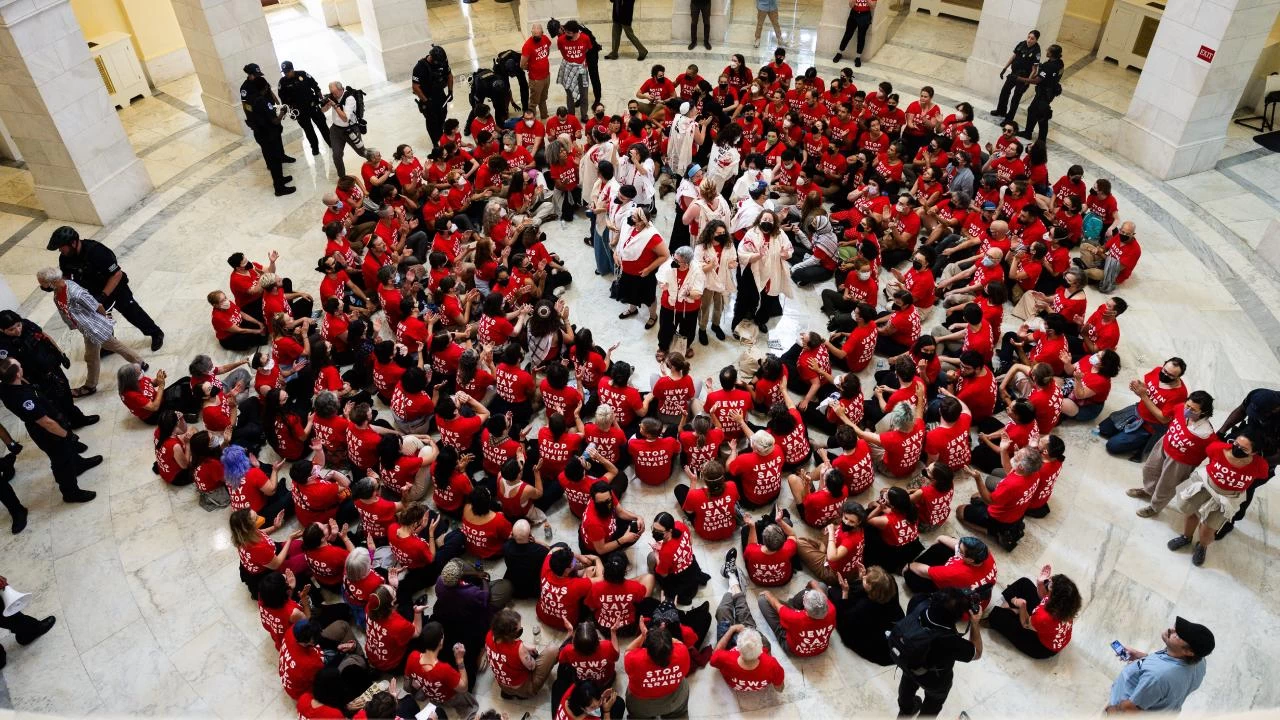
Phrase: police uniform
[303,95]
[1048,87]
[30,406]
[43,363]
[1025,57]
[91,267]
[261,114]
[432,78]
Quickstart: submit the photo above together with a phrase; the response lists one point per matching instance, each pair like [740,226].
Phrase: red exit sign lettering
[1206,53]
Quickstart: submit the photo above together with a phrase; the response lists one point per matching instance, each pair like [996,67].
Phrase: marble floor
[153,620]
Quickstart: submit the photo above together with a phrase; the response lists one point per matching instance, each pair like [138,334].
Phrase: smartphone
[1119,650]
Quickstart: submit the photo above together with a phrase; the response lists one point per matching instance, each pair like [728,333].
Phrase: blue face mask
[988,262]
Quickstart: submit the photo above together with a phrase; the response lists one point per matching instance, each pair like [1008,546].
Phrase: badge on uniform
[28,405]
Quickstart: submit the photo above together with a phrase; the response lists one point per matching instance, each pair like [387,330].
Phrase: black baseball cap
[8,319]
[64,235]
[286,66]
[252,69]
[1198,637]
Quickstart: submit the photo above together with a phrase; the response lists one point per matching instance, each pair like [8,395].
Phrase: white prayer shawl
[680,143]
[1219,500]
[748,211]
[742,187]
[722,277]
[634,241]
[768,261]
[602,193]
[723,165]
[588,166]
[694,283]
[620,214]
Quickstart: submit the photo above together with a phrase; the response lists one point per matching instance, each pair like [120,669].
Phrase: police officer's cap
[286,66]
[63,236]
[252,69]
[8,319]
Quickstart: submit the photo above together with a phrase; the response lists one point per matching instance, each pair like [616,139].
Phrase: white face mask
[224,305]
[1095,358]
[864,275]
[528,123]
[270,363]
[453,228]
[502,212]
[872,191]
[462,182]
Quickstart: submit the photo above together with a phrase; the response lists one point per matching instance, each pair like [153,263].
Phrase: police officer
[48,431]
[1048,83]
[433,88]
[262,115]
[9,498]
[1021,64]
[302,94]
[94,267]
[27,343]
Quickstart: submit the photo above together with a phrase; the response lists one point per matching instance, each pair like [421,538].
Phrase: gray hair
[902,417]
[358,564]
[1027,460]
[267,281]
[750,645]
[685,253]
[522,530]
[326,403]
[773,537]
[201,365]
[762,442]
[48,275]
[815,604]
[335,85]
[128,377]
[605,413]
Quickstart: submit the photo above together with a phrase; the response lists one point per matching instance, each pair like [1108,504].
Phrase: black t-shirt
[524,567]
[91,268]
[1024,56]
[1050,75]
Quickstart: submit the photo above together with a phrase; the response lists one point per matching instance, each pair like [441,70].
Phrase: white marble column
[395,35]
[721,12]
[1177,120]
[223,36]
[835,14]
[333,13]
[55,108]
[1004,23]
[532,11]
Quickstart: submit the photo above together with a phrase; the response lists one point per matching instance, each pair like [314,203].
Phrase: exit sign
[1206,53]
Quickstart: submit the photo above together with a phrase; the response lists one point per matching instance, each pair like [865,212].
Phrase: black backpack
[911,638]
[361,125]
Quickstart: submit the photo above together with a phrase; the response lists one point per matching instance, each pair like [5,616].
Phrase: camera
[975,602]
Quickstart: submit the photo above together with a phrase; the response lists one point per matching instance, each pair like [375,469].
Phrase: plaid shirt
[79,310]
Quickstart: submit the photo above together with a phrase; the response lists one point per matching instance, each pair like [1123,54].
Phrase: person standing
[433,87]
[83,312]
[94,267]
[1260,409]
[24,627]
[699,8]
[926,646]
[574,44]
[1162,680]
[770,8]
[302,94]
[859,21]
[47,431]
[27,343]
[262,115]
[1048,83]
[344,126]
[535,59]
[623,12]
[1021,65]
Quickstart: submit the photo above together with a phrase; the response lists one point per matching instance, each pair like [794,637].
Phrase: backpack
[1008,536]
[360,124]
[1091,228]
[911,638]
[507,63]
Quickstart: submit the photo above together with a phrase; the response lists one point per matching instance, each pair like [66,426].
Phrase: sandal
[688,352]
[648,325]
[629,313]
[83,391]
[660,356]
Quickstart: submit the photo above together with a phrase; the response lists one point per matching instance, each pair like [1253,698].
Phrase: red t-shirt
[1228,477]
[673,396]
[647,681]
[767,671]
[760,476]
[1162,397]
[1180,444]
[449,494]
[770,569]
[559,400]
[695,455]
[504,661]
[956,573]
[675,555]
[439,682]
[537,54]
[276,621]
[137,400]
[298,665]
[715,515]
[459,432]
[485,540]
[723,405]
[856,467]
[934,506]
[326,563]
[806,636]
[410,551]
[978,393]
[950,445]
[902,450]
[625,401]
[608,442]
[597,667]
[560,598]
[376,516]
[653,458]
[574,51]
[1053,634]
[1103,335]
[165,458]
[1012,497]
[615,605]
[224,320]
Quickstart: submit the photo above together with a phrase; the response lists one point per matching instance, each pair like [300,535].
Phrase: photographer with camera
[433,88]
[926,646]
[345,124]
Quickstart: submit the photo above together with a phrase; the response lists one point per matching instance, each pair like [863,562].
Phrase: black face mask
[721,238]
[767,227]
[1166,378]
[604,508]
[847,527]
[600,116]
[46,289]
[724,84]
[659,537]
[917,264]
[1239,452]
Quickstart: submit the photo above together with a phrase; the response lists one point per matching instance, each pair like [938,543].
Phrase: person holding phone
[1162,680]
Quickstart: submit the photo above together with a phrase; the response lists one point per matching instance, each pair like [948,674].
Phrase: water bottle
[586,453]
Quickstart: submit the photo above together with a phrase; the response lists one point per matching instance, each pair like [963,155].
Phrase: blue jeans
[1126,434]
[604,253]
[1086,413]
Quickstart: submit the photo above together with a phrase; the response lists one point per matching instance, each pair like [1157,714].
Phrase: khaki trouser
[813,555]
[538,95]
[1161,476]
[93,358]
[538,678]
[712,309]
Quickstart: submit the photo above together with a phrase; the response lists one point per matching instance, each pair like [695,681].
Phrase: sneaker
[1178,542]
[702,337]
[79,496]
[837,58]
[730,562]
[642,55]
[1140,493]
[1198,554]
[89,464]
[1147,511]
